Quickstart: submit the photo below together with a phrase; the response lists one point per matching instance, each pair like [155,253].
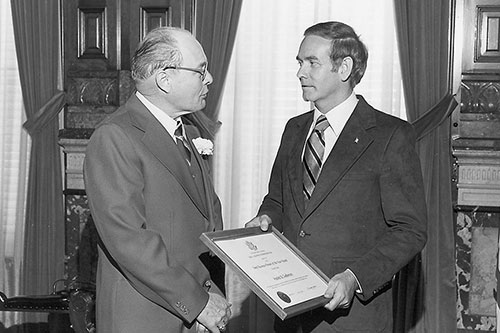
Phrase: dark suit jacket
[367,212]
[149,213]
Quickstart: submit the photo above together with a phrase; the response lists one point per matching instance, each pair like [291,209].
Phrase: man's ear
[163,81]
[345,68]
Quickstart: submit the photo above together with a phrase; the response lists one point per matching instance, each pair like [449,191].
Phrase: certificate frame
[210,239]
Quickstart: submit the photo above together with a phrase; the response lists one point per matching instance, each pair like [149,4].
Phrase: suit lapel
[350,145]
[205,185]
[202,185]
[162,146]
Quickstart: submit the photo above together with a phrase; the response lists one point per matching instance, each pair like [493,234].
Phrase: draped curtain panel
[14,149]
[425,291]
[37,37]
[216,23]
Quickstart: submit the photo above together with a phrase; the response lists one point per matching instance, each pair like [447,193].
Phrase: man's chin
[306,97]
[200,107]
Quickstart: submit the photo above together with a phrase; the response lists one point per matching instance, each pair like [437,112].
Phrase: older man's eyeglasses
[202,72]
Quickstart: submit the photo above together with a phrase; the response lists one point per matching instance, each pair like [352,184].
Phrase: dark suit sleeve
[404,208]
[272,204]
[114,184]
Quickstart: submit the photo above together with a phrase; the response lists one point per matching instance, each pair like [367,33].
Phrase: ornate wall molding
[74,152]
[476,282]
[478,177]
[480,97]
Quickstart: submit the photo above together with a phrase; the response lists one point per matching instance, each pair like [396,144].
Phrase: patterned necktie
[180,140]
[313,156]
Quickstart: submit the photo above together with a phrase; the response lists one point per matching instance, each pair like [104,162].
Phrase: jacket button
[208,284]
[302,233]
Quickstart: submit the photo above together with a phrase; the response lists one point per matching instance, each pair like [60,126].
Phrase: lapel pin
[356,140]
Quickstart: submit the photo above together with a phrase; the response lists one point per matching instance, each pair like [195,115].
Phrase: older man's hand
[215,316]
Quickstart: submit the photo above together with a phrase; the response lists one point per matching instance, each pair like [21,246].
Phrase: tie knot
[321,124]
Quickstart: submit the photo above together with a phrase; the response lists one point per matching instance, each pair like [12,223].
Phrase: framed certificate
[274,269]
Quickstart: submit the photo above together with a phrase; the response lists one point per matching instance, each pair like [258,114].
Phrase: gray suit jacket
[367,212]
[149,213]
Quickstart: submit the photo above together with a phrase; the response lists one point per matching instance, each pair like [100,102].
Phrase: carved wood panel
[476,147]
[99,38]
[92,41]
[480,109]
[488,44]
[481,36]
[477,123]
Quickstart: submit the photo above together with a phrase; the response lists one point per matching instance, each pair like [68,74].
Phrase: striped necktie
[180,140]
[313,156]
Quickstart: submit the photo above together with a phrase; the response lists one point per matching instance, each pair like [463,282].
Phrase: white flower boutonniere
[204,146]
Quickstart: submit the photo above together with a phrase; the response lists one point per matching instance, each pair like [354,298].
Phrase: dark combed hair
[345,43]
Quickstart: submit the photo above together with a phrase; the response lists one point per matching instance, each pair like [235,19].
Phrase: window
[14,148]
[262,91]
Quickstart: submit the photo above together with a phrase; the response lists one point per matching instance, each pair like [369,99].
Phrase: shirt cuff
[359,290]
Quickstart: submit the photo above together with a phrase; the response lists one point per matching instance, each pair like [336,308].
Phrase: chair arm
[81,311]
[58,303]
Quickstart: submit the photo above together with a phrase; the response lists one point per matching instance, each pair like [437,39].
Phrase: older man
[151,197]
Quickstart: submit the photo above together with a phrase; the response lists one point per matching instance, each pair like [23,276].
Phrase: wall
[99,38]
[476,148]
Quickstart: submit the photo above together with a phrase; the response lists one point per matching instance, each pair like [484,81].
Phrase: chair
[77,300]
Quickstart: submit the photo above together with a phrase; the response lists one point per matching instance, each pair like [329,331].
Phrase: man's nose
[208,78]
[301,72]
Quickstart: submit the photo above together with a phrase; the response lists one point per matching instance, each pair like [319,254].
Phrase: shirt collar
[339,115]
[165,120]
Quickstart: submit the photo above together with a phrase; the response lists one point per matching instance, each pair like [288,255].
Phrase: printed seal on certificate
[274,269]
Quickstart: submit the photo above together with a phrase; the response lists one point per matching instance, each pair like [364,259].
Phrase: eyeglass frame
[203,72]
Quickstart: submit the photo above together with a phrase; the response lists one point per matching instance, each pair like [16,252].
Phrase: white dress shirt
[337,118]
[165,120]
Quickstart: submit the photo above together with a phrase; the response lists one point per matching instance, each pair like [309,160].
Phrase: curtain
[216,29]
[497,296]
[262,92]
[424,48]
[36,28]
[216,23]
[14,146]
